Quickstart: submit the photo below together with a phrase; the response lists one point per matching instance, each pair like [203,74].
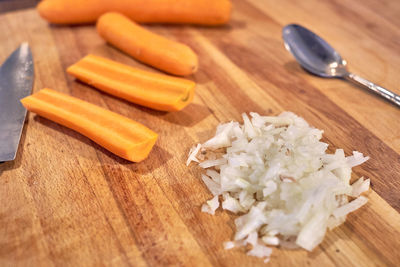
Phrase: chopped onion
[313,231]
[214,175]
[192,154]
[275,173]
[231,204]
[270,240]
[356,159]
[211,205]
[211,163]
[214,187]
[360,186]
[350,207]
[260,251]
[229,245]
[252,238]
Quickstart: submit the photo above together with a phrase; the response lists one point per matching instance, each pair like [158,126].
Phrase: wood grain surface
[66,201]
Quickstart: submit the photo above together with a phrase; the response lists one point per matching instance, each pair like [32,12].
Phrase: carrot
[154,90]
[203,12]
[145,46]
[120,135]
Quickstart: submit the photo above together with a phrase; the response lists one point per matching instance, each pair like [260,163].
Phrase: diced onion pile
[275,173]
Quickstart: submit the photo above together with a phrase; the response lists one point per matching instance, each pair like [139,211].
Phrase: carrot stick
[122,136]
[203,12]
[145,46]
[154,90]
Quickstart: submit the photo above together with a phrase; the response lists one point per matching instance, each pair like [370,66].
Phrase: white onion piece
[214,187]
[211,163]
[270,240]
[359,187]
[350,207]
[214,175]
[211,205]
[313,231]
[356,159]
[229,245]
[275,173]
[192,154]
[252,239]
[260,251]
[231,204]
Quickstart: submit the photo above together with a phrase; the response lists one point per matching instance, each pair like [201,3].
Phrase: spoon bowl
[316,56]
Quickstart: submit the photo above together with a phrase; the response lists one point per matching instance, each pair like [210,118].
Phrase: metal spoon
[318,57]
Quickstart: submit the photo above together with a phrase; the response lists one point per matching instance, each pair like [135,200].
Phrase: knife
[16,81]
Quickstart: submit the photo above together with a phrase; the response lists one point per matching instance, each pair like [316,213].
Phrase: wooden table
[67,201]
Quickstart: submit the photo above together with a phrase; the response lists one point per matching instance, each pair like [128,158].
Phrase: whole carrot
[203,12]
[145,46]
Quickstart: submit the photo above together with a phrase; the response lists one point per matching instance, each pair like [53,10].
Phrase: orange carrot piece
[203,12]
[122,136]
[154,90]
[145,46]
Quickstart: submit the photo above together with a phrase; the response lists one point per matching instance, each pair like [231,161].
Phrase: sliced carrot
[204,12]
[154,90]
[122,136]
[145,46]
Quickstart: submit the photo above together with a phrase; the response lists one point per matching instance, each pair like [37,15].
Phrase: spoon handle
[389,95]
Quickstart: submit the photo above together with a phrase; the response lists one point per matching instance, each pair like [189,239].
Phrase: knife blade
[16,81]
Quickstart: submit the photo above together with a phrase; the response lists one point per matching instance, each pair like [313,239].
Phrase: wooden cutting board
[67,201]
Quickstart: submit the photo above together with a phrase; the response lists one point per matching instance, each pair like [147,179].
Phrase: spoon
[318,57]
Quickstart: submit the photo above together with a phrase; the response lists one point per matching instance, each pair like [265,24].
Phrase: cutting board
[67,201]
